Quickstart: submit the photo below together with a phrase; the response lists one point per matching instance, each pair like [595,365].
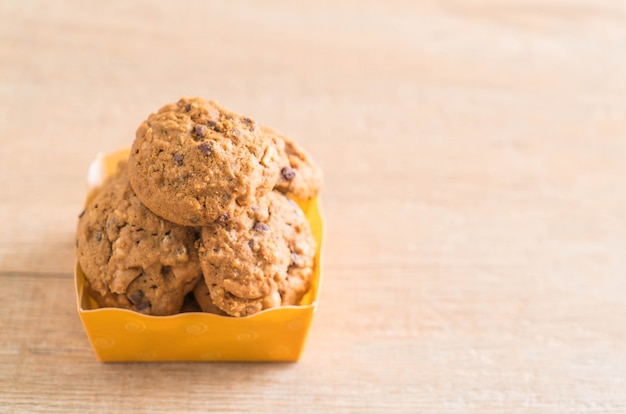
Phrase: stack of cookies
[201,217]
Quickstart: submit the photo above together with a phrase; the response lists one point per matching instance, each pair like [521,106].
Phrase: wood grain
[475,163]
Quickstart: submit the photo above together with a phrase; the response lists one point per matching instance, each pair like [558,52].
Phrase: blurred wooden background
[475,195]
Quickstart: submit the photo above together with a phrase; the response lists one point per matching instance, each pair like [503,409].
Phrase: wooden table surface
[475,195]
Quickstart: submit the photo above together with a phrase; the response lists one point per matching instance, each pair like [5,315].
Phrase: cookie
[203,299]
[299,176]
[132,258]
[258,260]
[195,162]
[190,304]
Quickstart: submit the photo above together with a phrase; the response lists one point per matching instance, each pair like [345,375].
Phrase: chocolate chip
[261,227]
[82,213]
[294,257]
[200,130]
[247,120]
[178,159]
[112,222]
[288,173]
[212,124]
[206,148]
[142,306]
[251,244]
[98,237]
[136,297]
[187,107]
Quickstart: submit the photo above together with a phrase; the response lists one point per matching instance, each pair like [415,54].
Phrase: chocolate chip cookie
[203,299]
[260,259]
[132,258]
[299,176]
[195,162]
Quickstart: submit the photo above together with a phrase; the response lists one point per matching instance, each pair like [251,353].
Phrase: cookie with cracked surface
[299,175]
[195,162]
[259,260]
[132,258]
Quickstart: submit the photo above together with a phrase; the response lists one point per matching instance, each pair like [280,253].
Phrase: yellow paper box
[276,334]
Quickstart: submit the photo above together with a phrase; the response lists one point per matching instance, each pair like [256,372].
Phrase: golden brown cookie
[132,258]
[299,175]
[195,162]
[258,260]
[203,298]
